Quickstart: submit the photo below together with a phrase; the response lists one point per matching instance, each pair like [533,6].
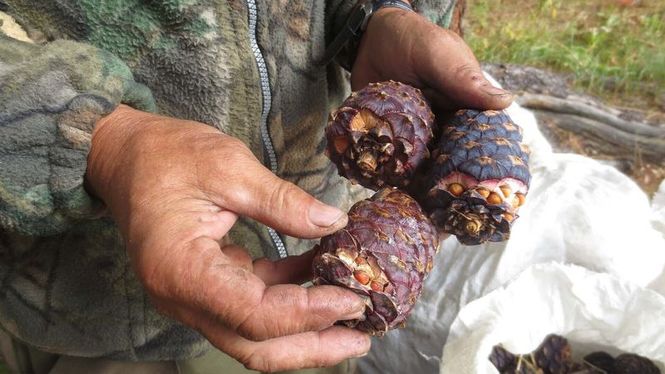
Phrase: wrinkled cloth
[66,283]
[578,211]
[594,311]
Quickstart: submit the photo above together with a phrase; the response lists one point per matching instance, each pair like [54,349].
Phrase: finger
[300,309]
[307,350]
[287,208]
[469,89]
[293,269]
[201,276]
[457,78]
[247,188]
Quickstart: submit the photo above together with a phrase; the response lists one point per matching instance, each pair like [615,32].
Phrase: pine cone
[503,360]
[379,136]
[585,369]
[629,363]
[478,178]
[600,360]
[383,254]
[554,355]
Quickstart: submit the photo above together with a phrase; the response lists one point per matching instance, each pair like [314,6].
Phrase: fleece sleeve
[51,96]
[337,12]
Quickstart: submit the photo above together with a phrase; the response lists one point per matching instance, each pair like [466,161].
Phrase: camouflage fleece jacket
[246,67]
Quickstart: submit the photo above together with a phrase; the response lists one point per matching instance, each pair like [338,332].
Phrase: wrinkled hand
[406,47]
[175,188]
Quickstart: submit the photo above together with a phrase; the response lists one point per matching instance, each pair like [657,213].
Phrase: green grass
[612,51]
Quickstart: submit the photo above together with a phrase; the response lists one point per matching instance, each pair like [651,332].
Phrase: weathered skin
[379,136]
[384,254]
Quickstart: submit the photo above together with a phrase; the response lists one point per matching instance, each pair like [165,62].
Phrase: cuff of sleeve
[439,12]
[51,97]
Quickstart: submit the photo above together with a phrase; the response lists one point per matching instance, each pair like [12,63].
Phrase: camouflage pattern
[67,286]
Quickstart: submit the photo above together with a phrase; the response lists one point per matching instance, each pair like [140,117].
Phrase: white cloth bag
[594,311]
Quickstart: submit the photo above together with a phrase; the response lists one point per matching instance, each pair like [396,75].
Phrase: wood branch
[609,117]
[577,115]
[649,147]
[633,140]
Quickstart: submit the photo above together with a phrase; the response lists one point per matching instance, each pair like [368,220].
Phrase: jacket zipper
[265,110]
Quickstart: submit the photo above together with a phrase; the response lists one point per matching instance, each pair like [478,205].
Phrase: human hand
[175,188]
[406,47]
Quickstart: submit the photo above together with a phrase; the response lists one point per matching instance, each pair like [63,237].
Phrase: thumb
[257,193]
[452,75]
[468,89]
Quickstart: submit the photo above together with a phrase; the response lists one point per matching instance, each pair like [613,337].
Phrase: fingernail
[496,91]
[324,215]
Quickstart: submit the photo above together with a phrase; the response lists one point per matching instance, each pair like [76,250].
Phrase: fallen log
[618,132]
[627,143]
[609,118]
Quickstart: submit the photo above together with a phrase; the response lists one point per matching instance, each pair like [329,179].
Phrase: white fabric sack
[594,311]
[578,211]
[658,203]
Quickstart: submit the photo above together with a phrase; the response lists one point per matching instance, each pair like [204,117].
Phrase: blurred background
[592,57]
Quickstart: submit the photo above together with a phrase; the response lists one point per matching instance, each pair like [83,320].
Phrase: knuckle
[250,333]
[233,150]
[259,362]
[289,302]
[200,140]
[231,164]
[226,151]
[470,73]
[233,168]
[281,190]
[318,313]
[466,70]
[280,196]
[251,328]
[236,151]
[320,362]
